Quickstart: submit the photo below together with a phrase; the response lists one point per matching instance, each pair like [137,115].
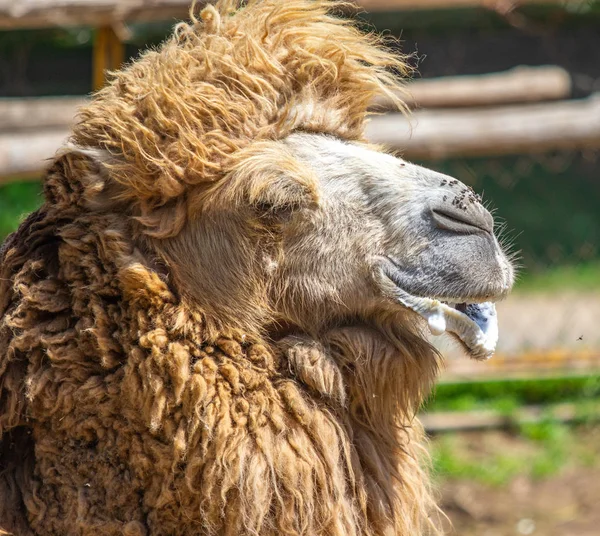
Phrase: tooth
[437,322]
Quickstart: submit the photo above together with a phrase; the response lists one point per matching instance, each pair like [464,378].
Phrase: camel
[216,323]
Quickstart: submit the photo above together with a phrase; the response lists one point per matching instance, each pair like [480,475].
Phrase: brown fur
[177,116]
[140,398]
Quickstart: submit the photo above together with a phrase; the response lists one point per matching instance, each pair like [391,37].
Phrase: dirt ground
[566,503]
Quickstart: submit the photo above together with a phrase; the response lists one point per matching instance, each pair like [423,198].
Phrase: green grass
[535,450]
[506,395]
[495,458]
[17,199]
[584,276]
[451,459]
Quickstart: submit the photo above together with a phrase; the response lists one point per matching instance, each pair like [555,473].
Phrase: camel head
[331,232]
[238,150]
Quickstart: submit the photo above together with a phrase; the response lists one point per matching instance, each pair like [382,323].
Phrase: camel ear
[77,169]
[81,170]
[281,192]
[271,179]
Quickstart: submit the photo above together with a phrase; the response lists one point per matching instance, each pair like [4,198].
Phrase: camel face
[333,233]
[389,234]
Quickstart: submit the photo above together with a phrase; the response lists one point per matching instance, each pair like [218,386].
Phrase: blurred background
[506,97]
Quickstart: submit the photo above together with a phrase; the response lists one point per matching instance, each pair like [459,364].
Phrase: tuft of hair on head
[211,19]
[237,73]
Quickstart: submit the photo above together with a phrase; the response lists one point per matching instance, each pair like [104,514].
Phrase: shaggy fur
[132,403]
[176,116]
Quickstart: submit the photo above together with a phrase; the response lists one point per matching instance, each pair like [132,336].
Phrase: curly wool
[131,423]
[121,412]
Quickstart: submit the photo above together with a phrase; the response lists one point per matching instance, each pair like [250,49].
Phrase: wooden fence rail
[552,363]
[453,421]
[518,85]
[25,154]
[45,13]
[38,113]
[427,134]
[501,130]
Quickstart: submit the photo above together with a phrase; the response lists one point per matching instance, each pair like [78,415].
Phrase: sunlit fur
[171,362]
[177,116]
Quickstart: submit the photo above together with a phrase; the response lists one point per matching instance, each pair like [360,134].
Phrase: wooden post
[109,54]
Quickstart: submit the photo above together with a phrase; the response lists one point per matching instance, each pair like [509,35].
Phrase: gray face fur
[384,232]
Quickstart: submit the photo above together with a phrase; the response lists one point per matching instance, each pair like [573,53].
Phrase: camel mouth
[474,323]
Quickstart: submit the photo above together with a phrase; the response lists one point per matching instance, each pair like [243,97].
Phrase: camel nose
[467,217]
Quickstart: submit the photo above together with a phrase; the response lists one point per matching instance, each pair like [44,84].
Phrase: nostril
[472,220]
